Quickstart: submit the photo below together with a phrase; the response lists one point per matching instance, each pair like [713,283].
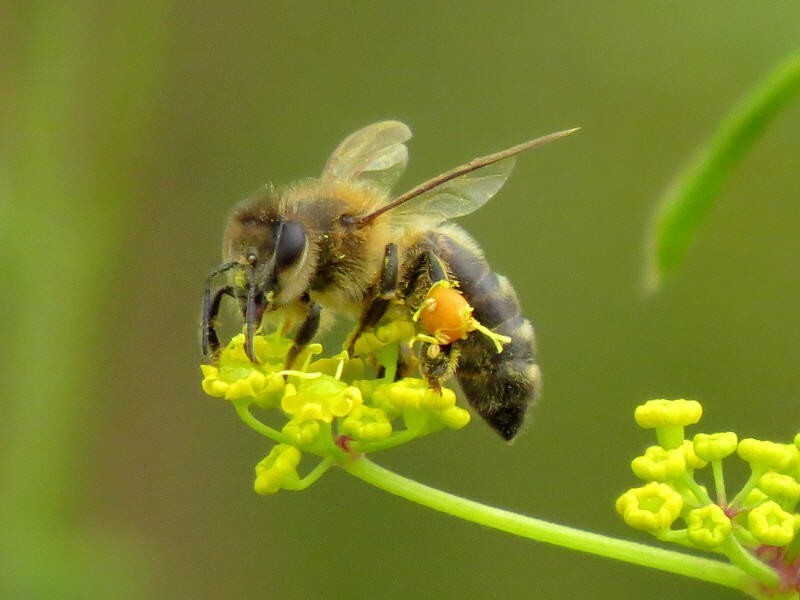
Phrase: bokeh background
[128,131]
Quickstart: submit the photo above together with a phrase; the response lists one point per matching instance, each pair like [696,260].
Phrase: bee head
[269,251]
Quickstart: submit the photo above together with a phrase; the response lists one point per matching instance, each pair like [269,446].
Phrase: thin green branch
[245,415]
[536,529]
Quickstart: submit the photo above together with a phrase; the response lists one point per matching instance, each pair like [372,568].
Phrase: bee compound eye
[291,243]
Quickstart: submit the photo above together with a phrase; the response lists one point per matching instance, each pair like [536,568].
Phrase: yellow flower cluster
[761,514]
[331,407]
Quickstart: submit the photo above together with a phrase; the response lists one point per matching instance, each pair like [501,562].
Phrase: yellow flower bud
[692,460]
[768,455]
[784,489]
[278,469]
[771,525]
[715,446]
[653,507]
[454,417]
[708,526]
[658,413]
[658,464]
[367,424]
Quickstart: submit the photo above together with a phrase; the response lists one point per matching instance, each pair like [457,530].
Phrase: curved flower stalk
[338,409]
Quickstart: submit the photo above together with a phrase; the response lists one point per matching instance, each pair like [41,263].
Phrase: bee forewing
[375,154]
[457,197]
[459,191]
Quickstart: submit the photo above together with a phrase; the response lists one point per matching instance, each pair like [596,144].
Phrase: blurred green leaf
[691,196]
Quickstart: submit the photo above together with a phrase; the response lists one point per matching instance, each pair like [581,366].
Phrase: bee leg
[211,306]
[209,339]
[438,363]
[387,290]
[429,265]
[305,332]
[407,362]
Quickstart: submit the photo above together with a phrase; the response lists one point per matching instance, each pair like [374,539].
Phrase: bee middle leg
[305,332]
[387,290]
[428,270]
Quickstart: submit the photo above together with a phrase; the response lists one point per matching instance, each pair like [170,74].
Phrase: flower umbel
[333,408]
[756,530]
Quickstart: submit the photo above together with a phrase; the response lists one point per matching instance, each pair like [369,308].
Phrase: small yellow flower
[653,507]
[784,489]
[754,498]
[321,399]
[668,418]
[660,413]
[277,470]
[393,332]
[771,525]
[235,377]
[233,382]
[692,460]
[454,417]
[765,455]
[301,433]
[708,526]
[415,393]
[715,446]
[658,464]
[367,424]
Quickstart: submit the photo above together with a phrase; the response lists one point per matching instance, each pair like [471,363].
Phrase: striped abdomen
[499,386]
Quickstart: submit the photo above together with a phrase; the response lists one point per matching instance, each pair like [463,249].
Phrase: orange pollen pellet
[446,314]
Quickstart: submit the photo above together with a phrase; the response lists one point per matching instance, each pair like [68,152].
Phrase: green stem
[719,482]
[694,487]
[396,439]
[245,415]
[746,561]
[536,529]
[313,475]
[751,483]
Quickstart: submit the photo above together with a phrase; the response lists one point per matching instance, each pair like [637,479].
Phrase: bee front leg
[211,306]
[305,332]
[387,290]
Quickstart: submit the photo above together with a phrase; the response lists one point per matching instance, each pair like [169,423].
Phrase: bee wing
[376,154]
[459,191]
[455,198]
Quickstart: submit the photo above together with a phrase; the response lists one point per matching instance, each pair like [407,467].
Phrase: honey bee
[341,244]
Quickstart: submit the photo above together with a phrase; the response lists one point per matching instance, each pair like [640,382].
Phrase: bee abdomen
[500,386]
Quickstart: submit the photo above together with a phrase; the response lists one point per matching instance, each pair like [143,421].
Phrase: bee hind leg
[438,363]
[387,290]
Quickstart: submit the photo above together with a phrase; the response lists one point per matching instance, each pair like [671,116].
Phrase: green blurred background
[128,131]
